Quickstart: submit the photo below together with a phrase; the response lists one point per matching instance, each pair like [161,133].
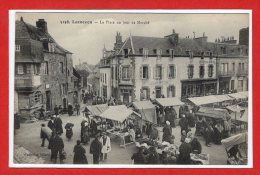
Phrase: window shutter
[174,71]
[120,72]
[154,72]
[149,72]
[168,91]
[141,72]
[188,71]
[131,72]
[148,93]
[168,71]
[162,73]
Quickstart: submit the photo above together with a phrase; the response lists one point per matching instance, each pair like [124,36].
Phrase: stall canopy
[244,93]
[165,102]
[97,109]
[215,113]
[235,108]
[239,95]
[147,110]
[224,97]
[204,100]
[234,140]
[118,113]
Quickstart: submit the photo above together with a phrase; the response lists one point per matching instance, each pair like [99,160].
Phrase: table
[121,135]
[200,158]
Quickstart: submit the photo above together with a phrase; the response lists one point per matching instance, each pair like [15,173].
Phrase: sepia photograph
[130,88]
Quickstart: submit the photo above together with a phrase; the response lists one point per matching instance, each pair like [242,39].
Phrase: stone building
[43,69]
[151,67]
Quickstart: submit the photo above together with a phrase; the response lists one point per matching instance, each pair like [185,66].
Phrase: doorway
[48,101]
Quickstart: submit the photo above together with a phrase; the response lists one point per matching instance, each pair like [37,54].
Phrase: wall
[181,65]
[105,80]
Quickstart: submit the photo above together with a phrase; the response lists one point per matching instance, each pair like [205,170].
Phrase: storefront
[196,88]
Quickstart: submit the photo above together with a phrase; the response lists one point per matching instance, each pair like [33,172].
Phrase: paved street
[28,136]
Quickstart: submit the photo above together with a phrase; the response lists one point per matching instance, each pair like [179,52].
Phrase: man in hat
[58,125]
[51,124]
[95,149]
[79,154]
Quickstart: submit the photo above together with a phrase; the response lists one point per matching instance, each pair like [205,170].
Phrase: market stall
[205,100]
[236,148]
[121,116]
[166,103]
[147,110]
[239,116]
[96,110]
[240,96]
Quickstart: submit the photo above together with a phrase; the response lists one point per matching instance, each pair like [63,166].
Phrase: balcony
[27,82]
[226,73]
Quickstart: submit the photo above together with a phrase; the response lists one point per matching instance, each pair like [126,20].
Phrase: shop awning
[165,102]
[216,113]
[147,110]
[224,97]
[234,140]
[118,113]
[97,109]
[235,108]
[238,95]
[204,100]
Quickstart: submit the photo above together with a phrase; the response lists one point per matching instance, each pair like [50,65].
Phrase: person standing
[45,134]
[77,106]
[167,133]
[70,109]
[58,125]
[195,146]
[139,158]
[85,136]
[218,129]
[153,157]
[56,145]
[154,134]
[69,131]
[106,146]
[56,110]
[51,123]
[208,133]
[183,123]
[173,116]
[95,149]
[79,154]
[42,113]
[185,150]
[227,129]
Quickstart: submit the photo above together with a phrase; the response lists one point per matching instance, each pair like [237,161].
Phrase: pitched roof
[28,31]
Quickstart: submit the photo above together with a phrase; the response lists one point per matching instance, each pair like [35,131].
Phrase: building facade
[43,69]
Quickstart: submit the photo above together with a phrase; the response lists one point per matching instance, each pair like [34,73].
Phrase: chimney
[173,38]
[42,25]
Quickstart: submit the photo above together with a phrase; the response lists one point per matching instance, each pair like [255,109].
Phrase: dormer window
[126,53]
[159,53]
[17,48]
[171,53]
[51,47]
[145,52]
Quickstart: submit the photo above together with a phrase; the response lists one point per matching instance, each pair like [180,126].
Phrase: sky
[86,40]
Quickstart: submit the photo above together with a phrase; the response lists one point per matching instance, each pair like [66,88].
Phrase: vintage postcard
[130,88]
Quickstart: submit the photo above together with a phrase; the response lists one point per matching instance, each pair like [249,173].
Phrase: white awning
[97,109]
[238,95]
[234,140]
[204,100]
[118,113]
[165,102]
[224,97]
[143,104]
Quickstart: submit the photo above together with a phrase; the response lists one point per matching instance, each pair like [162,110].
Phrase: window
[46,68]
[126,52]
[158,92]
[239,67]
[233,67]
[171,53]
[145,53]
[202,55]
[210,55]
[210,71]
[171,91]
[37,69]
[51,47]
[29,69]
[20,69]
[190,71]
[243,67]
[17,48]
[190,53]
[158,72]
[232,84]
[144,72]
[145,93]
[61,67]
[125,73]
[224,68]
[202,71]
[240,85]
[105,78]
[159,53]
[172,72]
